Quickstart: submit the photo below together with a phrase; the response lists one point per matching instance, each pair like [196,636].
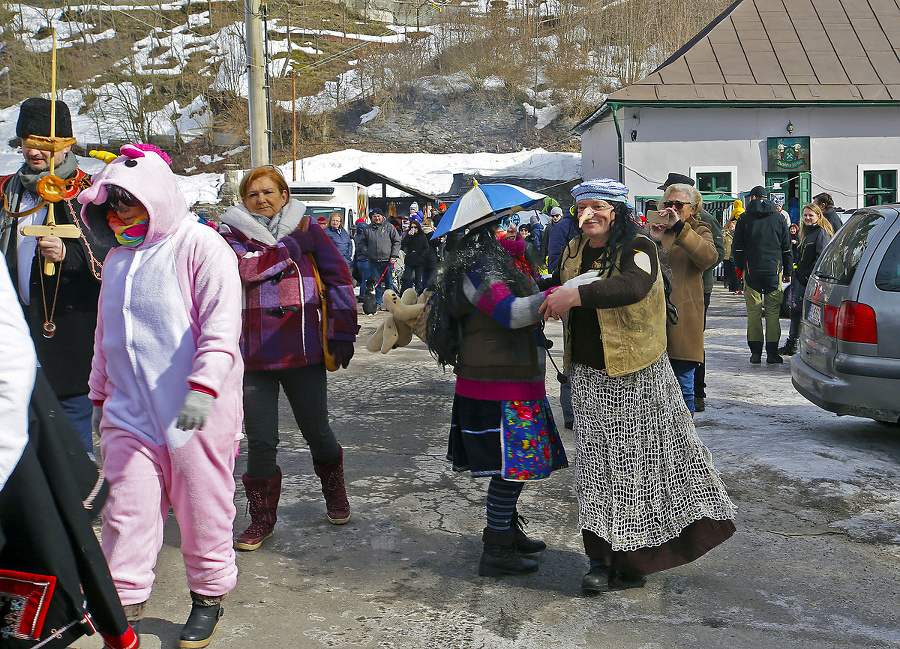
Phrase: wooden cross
[51,229]
[51,189]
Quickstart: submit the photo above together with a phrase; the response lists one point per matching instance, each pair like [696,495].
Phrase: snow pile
[433,173]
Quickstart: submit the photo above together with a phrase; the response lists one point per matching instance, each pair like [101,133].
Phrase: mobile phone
[654,216]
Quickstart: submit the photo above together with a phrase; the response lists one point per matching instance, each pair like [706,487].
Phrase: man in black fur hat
[63,305]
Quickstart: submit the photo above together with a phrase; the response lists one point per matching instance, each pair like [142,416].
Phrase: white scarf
[263,229]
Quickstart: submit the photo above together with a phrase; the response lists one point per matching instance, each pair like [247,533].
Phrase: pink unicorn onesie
[166,384]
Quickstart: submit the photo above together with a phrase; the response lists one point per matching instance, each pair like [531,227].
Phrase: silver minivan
[849,357]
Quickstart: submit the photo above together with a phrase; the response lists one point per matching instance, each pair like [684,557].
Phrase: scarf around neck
[64,169]
[128,235]
[262,229]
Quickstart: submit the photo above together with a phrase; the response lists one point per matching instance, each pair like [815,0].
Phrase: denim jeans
[684,372]
[381,269]
[363,267]
[413,276]
[79,410]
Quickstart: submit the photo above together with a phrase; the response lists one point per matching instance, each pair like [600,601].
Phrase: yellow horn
[106,156]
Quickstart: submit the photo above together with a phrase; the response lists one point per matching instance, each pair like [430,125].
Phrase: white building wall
[843,141]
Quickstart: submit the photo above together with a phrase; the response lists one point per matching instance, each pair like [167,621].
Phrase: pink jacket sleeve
[212,290]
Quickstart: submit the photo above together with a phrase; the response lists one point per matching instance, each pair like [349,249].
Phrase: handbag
[331,363]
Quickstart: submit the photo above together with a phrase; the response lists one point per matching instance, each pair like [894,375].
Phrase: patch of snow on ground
[443,84]
[368,117]
[544,116]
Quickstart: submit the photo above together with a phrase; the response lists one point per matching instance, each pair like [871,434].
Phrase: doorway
[792,192]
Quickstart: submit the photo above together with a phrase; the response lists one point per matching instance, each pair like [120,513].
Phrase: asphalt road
[815,562]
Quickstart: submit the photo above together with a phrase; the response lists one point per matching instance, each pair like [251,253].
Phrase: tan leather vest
[634,336]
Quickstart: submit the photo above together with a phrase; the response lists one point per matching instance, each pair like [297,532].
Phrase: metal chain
[95,266]
[49,325]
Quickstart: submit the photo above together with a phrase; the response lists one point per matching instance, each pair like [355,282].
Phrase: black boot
[625,580]
[202,622]
[755,350]
[772,355]
[500,556]
[790,347]
[596,581]
[524,545]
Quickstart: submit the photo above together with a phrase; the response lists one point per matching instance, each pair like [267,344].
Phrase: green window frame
[879,187]
[714,182]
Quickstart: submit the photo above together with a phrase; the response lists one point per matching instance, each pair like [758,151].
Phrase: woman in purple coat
[279,251]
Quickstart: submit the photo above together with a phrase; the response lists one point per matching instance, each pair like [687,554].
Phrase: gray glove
[96,416]
[195,410]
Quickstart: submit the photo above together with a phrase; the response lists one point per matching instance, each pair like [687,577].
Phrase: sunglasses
[120,199]
[676,204]
[509,220]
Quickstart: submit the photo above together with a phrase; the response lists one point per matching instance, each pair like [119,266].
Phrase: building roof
[777,52]
[368,177]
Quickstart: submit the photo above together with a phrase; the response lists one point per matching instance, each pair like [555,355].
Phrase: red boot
[332,476]
[262,499]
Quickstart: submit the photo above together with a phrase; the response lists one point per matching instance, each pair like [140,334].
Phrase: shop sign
[788,154]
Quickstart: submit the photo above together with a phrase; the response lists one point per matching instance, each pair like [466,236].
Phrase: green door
[805,188]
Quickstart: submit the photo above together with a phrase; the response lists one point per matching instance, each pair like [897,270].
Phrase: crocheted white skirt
[641,474]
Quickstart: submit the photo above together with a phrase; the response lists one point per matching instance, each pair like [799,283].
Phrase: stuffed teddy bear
[407,315]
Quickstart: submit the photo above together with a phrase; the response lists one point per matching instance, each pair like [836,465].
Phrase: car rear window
[888,276]
[840,261]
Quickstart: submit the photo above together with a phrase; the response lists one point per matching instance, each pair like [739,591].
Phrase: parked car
[849,357]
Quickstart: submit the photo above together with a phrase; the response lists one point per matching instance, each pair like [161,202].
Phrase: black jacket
[832,217]
[46,511]
[762,246]
[66,357]
[715,228]
[810,250]
[416,248]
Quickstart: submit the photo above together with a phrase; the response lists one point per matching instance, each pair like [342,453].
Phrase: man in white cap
[555,215]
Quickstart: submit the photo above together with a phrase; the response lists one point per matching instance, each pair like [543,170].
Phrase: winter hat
[34,118]
[759,192]
[677,179]
[556,210]
[358,221]
[414,207]
[604,189]
[376,211]
[322,221]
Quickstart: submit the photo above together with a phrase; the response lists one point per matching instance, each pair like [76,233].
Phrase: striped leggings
[502,497]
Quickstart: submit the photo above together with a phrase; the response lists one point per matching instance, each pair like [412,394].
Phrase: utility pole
[259,144]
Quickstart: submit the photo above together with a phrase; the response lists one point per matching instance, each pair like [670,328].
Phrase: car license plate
[815,314]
